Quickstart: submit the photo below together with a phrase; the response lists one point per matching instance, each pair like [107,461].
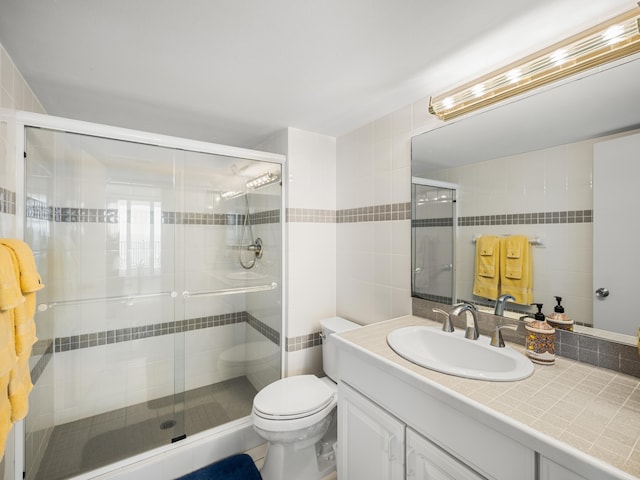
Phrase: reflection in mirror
[526,168]
[433,234]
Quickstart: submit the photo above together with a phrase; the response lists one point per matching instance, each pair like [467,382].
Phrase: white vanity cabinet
[371,441]
[397,420]
[375,445]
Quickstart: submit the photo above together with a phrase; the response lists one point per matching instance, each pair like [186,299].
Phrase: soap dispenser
[541,338]
[558,319]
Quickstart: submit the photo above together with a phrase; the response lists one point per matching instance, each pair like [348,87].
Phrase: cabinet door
[370,440]
[426,461]
[552,471]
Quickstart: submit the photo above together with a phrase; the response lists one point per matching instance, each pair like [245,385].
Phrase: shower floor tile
[93,442]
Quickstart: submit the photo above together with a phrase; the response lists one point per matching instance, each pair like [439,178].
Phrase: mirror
[526,167]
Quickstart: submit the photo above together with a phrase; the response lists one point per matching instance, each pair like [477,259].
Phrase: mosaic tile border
[44,348]
[7,201]
[432,222]
[302,342]
[375,213]
[599,352]
[41,211]
[106,337]
[311,215]
[269,332]
[568,216]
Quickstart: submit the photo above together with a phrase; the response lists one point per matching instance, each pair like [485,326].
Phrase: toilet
[294,416]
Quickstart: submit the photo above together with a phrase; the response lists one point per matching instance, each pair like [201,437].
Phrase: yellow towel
[30,281]
[7,344]
[5,412]
[24,335]
[19,388]
[10,294]
[487,267]
[21,326]
[516,269]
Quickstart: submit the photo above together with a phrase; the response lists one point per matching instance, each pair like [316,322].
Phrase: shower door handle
[256,247]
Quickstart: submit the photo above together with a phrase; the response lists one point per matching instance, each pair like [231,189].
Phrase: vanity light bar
[606,42]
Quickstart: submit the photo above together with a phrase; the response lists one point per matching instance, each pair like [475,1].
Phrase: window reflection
[140,237]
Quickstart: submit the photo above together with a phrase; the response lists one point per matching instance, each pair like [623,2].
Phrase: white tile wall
[15,94]
[311,247]
[373,258]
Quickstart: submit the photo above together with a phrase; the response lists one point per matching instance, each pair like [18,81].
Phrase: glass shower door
[229,255]
[95,217]
[162,311]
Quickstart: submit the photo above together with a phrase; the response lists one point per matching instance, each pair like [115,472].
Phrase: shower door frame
[22,120]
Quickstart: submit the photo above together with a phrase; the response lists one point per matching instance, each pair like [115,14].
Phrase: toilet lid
[293,397]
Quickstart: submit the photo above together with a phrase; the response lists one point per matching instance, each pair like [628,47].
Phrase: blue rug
[237,467]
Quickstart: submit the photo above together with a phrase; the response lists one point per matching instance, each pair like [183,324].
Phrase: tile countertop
[594,410]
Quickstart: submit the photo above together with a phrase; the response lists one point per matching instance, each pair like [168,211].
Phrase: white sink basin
[453,354]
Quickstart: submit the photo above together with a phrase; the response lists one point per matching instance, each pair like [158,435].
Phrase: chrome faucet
[472,333]
[447,326]
[497,340]
[500,303]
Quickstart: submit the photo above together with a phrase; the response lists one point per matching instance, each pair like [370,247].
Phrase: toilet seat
[293,397]
[293,403]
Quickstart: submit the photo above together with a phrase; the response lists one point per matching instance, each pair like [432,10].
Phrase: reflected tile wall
[545,194]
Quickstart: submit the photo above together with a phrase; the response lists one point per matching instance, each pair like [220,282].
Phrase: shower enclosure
[433,238]
[162,311]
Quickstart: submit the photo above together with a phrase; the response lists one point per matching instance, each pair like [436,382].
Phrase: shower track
[186,294]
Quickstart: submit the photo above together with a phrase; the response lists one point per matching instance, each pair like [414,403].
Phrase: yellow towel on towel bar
[24,334]
[10,297]
[5,413]
[30,281]
[516,269]
[487,267]
[10,293]
[23,328]
[19,388]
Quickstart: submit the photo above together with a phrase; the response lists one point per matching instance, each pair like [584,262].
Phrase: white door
[425,461]
[616,230]
[370,440]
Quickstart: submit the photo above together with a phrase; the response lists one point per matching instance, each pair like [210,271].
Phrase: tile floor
[93,442]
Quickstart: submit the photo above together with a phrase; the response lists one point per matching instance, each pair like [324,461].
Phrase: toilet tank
[329,352]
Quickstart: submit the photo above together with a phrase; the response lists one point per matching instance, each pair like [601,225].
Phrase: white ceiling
[236,71]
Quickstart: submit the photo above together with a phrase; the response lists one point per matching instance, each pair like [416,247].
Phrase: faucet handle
[496,339]
[447,326]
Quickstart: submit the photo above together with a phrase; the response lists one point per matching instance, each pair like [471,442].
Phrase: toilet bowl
[296,416]
[249,360]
